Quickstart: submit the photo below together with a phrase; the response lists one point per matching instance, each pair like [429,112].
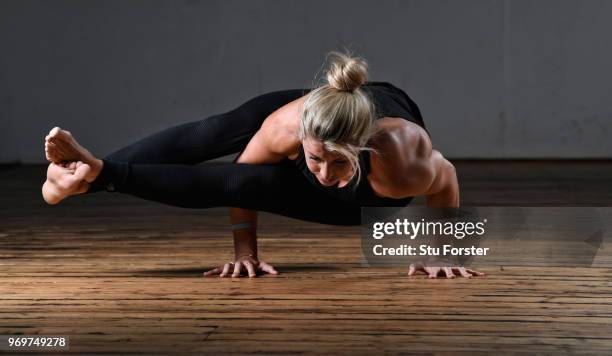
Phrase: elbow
[446,192]
[419,182]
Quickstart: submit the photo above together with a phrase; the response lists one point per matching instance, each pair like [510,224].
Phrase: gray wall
[494,79]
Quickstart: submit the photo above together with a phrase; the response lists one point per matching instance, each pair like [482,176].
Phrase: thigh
[274,188]
[209,138]
[283,190]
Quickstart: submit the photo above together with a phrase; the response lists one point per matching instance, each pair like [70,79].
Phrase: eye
[316,159]
[340,162]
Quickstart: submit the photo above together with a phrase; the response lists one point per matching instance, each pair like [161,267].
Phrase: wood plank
[122,275]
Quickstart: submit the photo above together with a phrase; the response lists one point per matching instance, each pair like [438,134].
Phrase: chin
[329,184]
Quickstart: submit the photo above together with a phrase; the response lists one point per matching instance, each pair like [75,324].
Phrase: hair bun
[346,73]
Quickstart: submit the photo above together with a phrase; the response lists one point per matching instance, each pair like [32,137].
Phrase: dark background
[494,79]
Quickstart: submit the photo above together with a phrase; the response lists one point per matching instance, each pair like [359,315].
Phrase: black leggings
[166,167]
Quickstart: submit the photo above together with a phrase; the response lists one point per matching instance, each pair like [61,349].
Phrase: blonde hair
[339,113]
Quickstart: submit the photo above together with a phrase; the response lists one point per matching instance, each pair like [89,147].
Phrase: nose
[325,173]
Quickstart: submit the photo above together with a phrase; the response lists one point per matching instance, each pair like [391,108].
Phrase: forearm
[447,194]
[244,222]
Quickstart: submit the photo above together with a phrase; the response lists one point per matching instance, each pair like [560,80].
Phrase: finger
[411,270]
[474,272]
[433,271]
[212,271]
[267,268]
[449,272]
[250,268]
[415,267]
[237,269]
[463,272]
[226,268]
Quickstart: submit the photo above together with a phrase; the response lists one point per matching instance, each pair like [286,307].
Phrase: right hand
[450,270]
[248,264]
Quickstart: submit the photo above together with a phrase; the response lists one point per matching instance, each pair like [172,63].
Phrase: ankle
[96,168]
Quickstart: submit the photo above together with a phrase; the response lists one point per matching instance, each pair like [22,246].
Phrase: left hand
[248,264]
[450,271]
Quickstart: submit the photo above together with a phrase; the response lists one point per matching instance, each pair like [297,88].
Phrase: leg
[187,143]
[278,188]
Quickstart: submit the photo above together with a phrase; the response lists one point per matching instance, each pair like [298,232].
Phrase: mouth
[328,183]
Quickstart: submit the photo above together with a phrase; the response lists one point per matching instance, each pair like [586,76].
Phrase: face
[329,167]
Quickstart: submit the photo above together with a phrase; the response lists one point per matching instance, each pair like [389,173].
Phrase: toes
[54,152]
[69,177]
[81,171]
[58,134]
[50,146]
[54,131]
[61,146]
[64,135]
[49,151]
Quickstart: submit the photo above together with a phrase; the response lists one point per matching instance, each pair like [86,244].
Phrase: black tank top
[389,101]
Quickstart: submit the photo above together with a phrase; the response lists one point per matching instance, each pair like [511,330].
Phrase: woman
[316,155]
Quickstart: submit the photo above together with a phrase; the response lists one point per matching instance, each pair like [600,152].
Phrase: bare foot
[61,147]
[65,180]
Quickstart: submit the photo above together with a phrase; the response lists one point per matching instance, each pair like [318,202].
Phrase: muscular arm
[274,141]
[408,166]
[444,189]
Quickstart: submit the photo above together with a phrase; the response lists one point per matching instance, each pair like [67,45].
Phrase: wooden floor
[122,275]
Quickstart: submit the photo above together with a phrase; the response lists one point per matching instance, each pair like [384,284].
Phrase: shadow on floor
[198,271]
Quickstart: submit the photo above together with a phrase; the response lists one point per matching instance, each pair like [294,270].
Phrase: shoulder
[279,130]
[400,141]
[402,157]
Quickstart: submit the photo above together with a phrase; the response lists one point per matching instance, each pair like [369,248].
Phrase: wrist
[245,243]
[241,255]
